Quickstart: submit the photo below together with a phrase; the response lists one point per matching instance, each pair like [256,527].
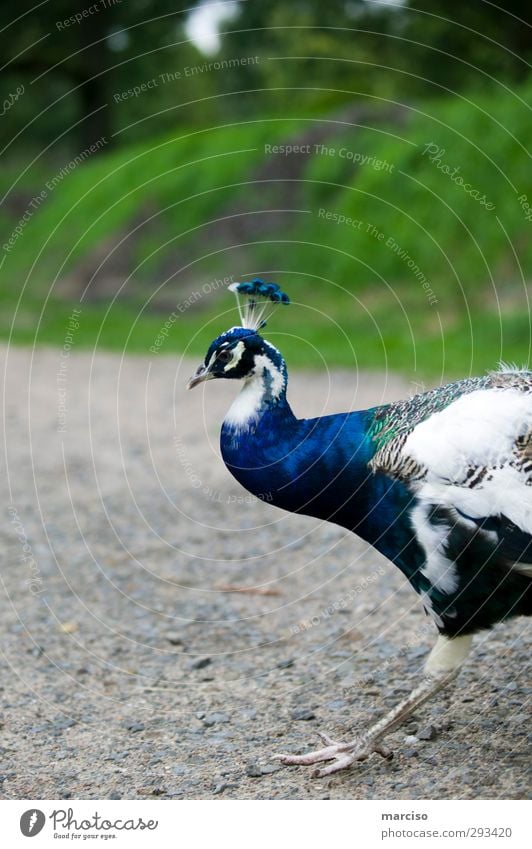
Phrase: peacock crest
[254,299]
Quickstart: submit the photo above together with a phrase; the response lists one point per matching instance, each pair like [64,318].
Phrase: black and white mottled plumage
[413,431]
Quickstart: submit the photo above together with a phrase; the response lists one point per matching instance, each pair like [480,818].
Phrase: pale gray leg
[441,668]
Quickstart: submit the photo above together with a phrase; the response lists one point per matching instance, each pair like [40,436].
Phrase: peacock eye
[225,356]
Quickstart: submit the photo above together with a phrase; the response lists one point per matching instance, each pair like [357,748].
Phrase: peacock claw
[344,755]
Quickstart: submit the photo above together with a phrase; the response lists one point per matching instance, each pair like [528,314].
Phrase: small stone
[270,768]
[37,651]
[117,756]
[249,713]
[428,732]
[175,639]
[253,770]
[303,714]
[410,739]
[212,718]
[62,724]
[199,663]
[134,727]
[219,788]
[417,651]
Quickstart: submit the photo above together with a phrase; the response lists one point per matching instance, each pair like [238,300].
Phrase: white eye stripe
[211,359]
[238,350]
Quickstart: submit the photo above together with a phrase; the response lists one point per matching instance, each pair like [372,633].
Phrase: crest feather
[259,294]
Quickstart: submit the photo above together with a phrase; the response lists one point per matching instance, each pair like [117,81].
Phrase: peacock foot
[343,755]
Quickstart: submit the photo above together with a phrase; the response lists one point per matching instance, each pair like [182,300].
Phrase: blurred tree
[82,52]
[359,45]
[313,57]
[495,39]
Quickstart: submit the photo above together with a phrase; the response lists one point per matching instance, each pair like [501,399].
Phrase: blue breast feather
[319,467]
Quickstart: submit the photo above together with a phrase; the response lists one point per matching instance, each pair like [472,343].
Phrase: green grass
[357,301]
[348,337]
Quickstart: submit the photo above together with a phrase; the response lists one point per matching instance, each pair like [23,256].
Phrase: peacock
[439,483]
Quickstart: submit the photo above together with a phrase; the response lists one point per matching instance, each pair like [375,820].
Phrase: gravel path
[131,668]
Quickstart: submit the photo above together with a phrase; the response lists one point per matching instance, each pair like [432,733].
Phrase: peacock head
[241,352]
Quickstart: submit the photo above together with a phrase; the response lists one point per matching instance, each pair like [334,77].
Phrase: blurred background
[371,157]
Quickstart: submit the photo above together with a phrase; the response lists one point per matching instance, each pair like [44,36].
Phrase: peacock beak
[202,373]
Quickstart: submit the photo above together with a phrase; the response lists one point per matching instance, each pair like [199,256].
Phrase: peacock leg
[441,668]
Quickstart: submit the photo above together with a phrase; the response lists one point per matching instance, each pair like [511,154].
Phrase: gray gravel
[132,667]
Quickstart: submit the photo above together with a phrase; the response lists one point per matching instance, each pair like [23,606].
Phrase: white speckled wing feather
[476,454]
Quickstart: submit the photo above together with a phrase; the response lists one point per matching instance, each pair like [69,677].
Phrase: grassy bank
[404,239]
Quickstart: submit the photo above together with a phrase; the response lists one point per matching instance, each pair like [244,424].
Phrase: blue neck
[318,467]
